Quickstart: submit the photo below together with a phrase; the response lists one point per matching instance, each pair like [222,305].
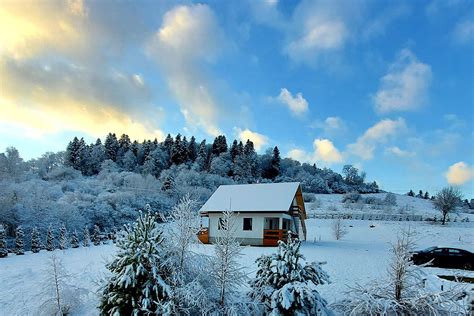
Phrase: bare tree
[338,229]
[59,293]
[228,273]
[447,200]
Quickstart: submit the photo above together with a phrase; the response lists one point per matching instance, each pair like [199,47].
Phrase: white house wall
[246,237]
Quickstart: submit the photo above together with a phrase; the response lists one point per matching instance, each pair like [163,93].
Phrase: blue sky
[387,86]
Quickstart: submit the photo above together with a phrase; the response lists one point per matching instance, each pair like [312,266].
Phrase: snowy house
[265,213]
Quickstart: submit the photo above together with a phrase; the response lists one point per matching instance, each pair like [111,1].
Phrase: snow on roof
[263,197]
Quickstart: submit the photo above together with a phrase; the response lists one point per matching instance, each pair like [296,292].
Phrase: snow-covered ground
[360,257]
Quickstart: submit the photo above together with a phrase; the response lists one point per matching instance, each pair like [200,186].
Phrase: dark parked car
[445,258]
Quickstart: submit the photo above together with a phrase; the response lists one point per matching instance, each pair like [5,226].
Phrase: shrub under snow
[286,285]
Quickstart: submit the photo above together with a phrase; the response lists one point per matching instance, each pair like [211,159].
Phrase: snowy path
[360,257]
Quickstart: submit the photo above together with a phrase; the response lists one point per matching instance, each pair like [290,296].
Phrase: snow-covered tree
[338,229]
[36,245]
[111,147]
[3,242]
[228,273]
[402,291]
[19,241]
[60,295]
[86,239]
[63,240]
[138,285]
[390,199]
[50,246]
[74,239]
[96,236]
[286,285]
[447,200]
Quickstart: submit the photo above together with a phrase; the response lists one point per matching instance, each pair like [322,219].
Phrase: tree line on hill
[105,183]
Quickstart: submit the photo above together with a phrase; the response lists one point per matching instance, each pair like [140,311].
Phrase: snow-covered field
[360,257]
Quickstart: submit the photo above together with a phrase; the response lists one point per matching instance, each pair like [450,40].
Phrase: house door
[272,223]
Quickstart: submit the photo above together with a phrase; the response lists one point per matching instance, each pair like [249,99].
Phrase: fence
[372,217]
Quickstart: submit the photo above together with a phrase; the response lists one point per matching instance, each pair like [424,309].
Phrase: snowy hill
[332,204]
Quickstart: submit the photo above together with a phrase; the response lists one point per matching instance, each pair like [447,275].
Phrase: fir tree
[138,285]
[50,246]
[74,239]
[219,146]
[111,147]
[202,157]
[411,193]
[178,151]
[420,194]
[234,150]
[86,239]
[35,241]
[192,149]
[285,286]
[96,236]
[3,242]
[168,144]
[19,241]
[63,240]
[426,196]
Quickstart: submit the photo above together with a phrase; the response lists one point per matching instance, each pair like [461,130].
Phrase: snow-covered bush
[338,229]
[402,291]
[3,242]
[138,284]
[19,241]
[390,199]
[36,245]
[86,239]
[372,200]
[309,197]
[286,285]
[352,197]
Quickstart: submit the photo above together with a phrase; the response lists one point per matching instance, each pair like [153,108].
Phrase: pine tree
[168,144]
[3,242]
[219,145]
[234,150]
[420,194]
[86,239]
[274,170]
[50,246]
[96,236]
[411,193]
[74,240]
[111,147]
[192,149]
[178,151]
[63,240]
[202,157]
[139,274]
[35,241]
[19,241]
[285,286]
[426,196]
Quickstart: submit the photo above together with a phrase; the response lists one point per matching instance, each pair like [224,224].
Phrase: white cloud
[464,32]
[459,173]
[180,46]
[380,133]
[323,151]
[405,86]
[332,125]
[297,104]
[396,151]
[259,140]
[318,36]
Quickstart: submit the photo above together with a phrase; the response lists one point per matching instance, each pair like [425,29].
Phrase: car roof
[437,247]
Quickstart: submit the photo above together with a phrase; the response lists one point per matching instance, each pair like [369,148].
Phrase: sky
[387,86]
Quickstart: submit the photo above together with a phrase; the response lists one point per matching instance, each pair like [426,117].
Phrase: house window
[220,223]
[247,224]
